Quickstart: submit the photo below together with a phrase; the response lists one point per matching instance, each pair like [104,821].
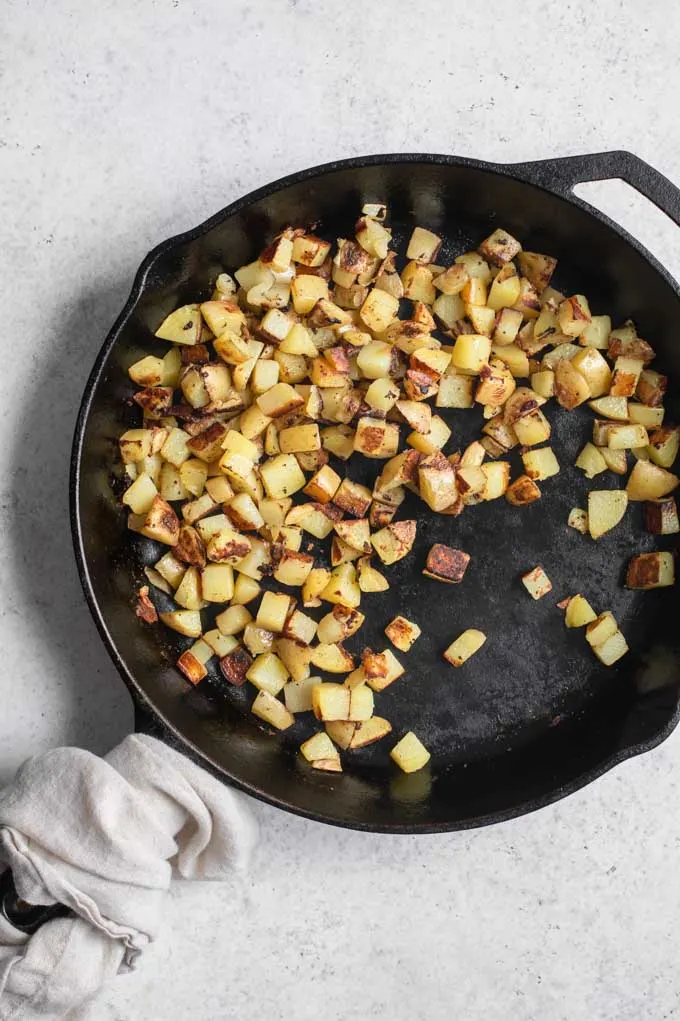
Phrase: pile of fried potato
[306,354]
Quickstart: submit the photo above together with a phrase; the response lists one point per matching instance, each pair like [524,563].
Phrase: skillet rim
[150,719]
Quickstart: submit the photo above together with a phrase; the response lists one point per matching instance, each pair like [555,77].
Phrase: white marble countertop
[122,123]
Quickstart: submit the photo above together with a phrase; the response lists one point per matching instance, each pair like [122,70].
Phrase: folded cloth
[104,837]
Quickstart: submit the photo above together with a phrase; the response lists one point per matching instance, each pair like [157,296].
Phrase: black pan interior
[531,716]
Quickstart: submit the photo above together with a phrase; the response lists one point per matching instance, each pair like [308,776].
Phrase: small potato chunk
[651,418]
[571,388]
[596,333]
[455,391]
[500,247]
[610,651]
[273,611]
[217,582]
[532,429]
[183,326]
[615,460]
[437,481]
[298,694]
[371,580]
[540,464]
[352,498]
[280,400]
[651,388]
[626,376]
[282,476]
[233,620]
[578,520]
[651,570]
[380,669]
[661,516]
[591,461]
[395,541]
[423,245]
[186,622]
[579,612]
[663,446]
[505,291]
[538,269]
[614,408]
[471,353]
[293,567]
[649,482]
[379,310]
[355,533]
[361,703]
[268,708]
[306,291]
[574,315]
[446,564]
[625,437]
[410,754]
[375,438]
[606,508]
[331,701]
[466,645]
[299,439]
[594,369]
[323,486]
[268,673]
[497,479]
[342,586]
[319,747]
[192,667]
[602,628]
[367,732]
[522,491]
[341,623]
[537,583]
[245,590]
[402,633]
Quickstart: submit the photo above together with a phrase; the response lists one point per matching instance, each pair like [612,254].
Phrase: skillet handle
[561,175]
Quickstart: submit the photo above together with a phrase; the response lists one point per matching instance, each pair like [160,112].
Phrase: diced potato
[258,640]
[466,645]
[606,508]
[306,291]
[651,388]
[602,628]
[191,666]
[496,384]
[651,418]
[471,353]
[651,570]
[183,326]
[141,494]
[596,333]
[243,512]
[217,583]
[175,449]
[360,703]
[625,437]
[455,391]
[522,491]
[371,580]
[245,590]
[610,651]
[574,315]
[578,520]
[268,707]
[505,291]
[561,353]
[293,567]
[532,429]
[648,481]
[257,562]
[591,461]
[571,387]
[434,439]
[537,268]
[338,440]
[379,310]
[380,669]
[497,479]
[282,476]
[417,282]
[579,612]
[319,746]
[233,620]
[410,754]
[394,542]
[537,583]
[444,563]
[280,400]
[148,371]
[186,622]
[298,694]
[221,645]
[663,445]
[273,611]
[331,701]
[661,516]
[515,359]
[540,464]
[364,733]
[376,438]
[614,408]
[268,673]
[594,369]
[342,586]
[402,633]
[616,460]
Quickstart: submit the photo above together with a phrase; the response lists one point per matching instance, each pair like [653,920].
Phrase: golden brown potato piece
[444,563]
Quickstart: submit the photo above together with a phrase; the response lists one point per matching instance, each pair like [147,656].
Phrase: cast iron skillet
[533,716]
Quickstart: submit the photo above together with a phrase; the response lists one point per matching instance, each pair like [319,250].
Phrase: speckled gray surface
[121,123]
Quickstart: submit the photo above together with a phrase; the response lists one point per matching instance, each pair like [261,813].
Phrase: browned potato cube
[537,268]
[500,247]
[522,491]
[235,666]
[571,388]
[661,516]
[402,633]
[651,570]
[395,541]
[651,388]
[376,438]
[446,564]
[537,583]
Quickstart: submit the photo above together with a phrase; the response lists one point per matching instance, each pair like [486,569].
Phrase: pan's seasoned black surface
[532,716]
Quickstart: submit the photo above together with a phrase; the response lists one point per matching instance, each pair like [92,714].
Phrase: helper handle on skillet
[562,174]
